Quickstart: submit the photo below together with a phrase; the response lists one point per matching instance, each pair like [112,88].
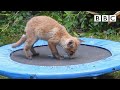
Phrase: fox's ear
[70,44]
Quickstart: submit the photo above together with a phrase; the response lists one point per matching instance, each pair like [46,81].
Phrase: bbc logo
[104,18]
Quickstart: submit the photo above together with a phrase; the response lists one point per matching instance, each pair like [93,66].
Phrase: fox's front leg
[52,45]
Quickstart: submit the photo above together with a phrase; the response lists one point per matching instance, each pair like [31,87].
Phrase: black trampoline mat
[84,54]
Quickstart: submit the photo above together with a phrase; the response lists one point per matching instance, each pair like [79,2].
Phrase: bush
[12,23]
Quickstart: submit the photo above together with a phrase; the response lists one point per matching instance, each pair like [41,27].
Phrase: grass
[115,37]
[3,77]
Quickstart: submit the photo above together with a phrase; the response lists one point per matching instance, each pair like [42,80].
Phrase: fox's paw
[59,57]
[29,57]
[35,54]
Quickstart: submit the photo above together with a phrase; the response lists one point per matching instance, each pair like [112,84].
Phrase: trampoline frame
[16,70]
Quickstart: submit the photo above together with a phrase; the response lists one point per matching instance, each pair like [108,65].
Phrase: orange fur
[46,28]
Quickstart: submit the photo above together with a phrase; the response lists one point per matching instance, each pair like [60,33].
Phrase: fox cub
[46,28]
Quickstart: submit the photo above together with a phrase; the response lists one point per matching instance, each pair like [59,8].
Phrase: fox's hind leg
[33,51]
[31,39]
[29,47]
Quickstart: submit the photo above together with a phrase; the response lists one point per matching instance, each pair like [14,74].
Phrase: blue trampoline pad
[96,63]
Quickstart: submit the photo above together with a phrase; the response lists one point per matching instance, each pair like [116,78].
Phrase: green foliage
[3,77]
[12,23]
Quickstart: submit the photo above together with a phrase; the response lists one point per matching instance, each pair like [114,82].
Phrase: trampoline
[94,57]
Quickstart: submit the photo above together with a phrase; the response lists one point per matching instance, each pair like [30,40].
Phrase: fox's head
[72,45]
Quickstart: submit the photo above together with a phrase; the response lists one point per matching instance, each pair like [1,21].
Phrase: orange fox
[46,28]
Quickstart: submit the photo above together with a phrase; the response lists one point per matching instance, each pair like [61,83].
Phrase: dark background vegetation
[78,23]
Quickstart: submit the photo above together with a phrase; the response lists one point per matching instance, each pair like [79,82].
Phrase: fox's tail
[20,42]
